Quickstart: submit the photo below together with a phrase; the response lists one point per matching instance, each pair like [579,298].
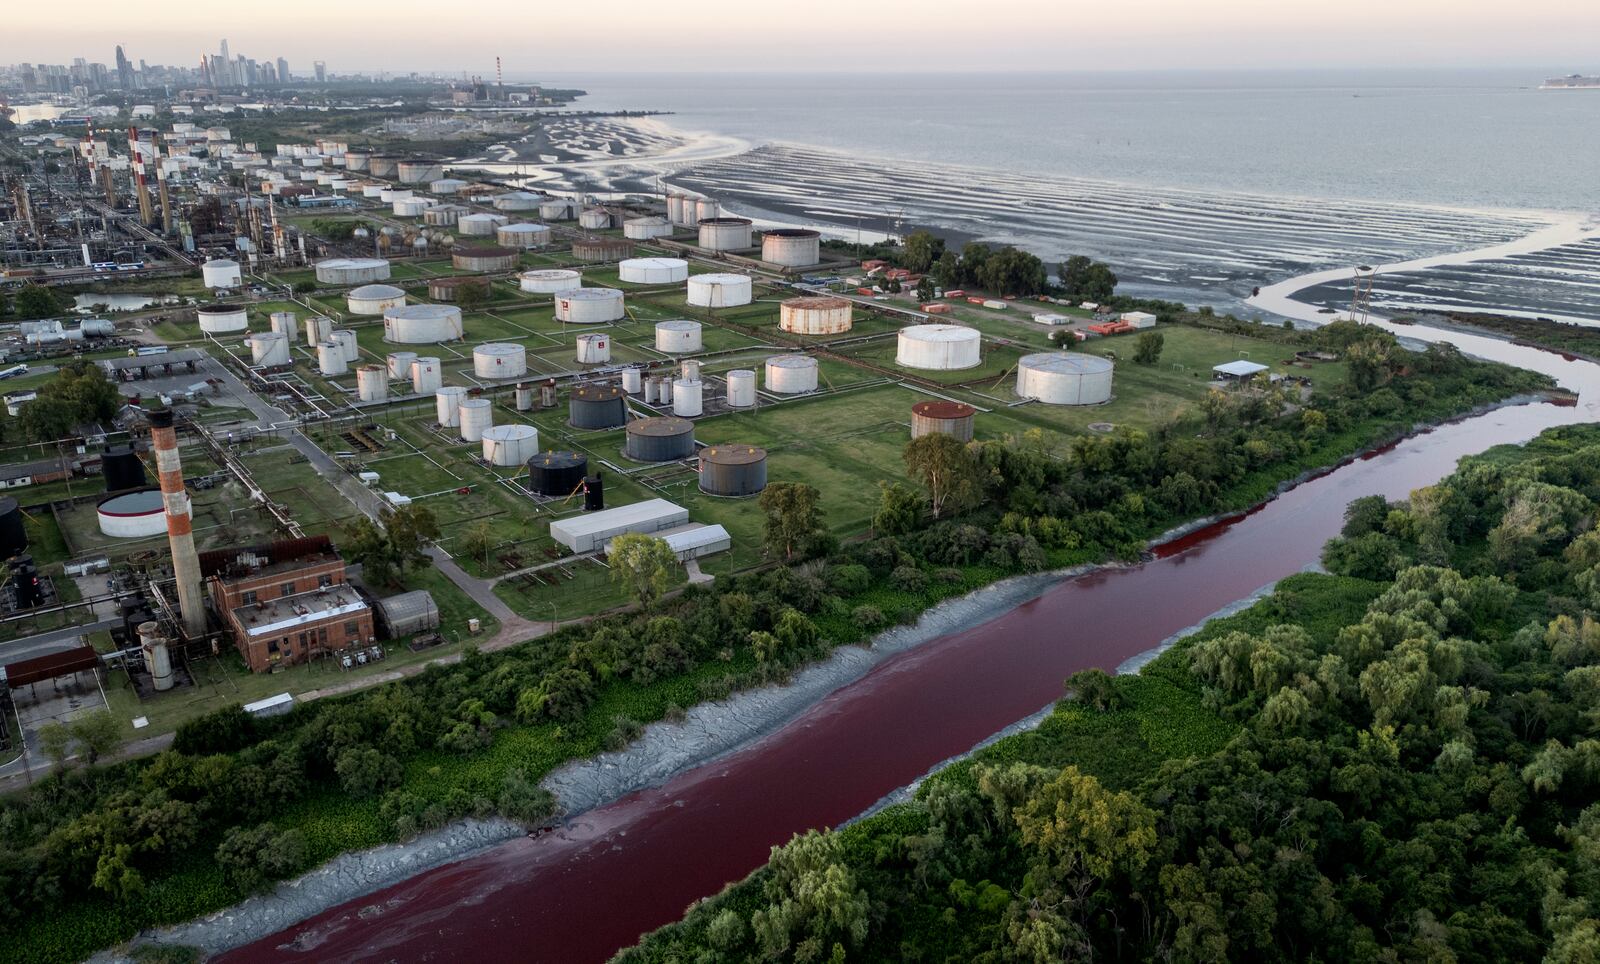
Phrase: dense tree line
[79,394]
[1402,766]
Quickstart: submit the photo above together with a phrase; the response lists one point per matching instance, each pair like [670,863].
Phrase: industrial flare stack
[180,524]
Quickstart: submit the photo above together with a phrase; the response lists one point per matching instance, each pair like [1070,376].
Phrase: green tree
[925,288]
[1147,347]
[899,508]
[363,771]
[36,301]
[922,250]
[947,270]
[478,541]
[99,732]
[644,563]
[793,516]
[47,418]
[813,900]
[252,858]
[946,469]
[55,742]
[1084,279]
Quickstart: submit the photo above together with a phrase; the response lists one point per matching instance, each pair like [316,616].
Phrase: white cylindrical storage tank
[447,404]
[816,315]
[548,281]
[524,397]
[653,271]
[510,445]
[285,323]
[347,343]
[222,319]
[594,349]
[650,392]
[741,388]
[269,349]
[352,271]
[425,375]
[356,160]
[418,171]
[594,219]
[791,374]
[644,229]
[791,247]
[631,380]
[443,215]
[318,330]
[939,347]
[725,234]
[389,195]
[705,209]
[477,414]
[372,190]
[499,360]
[675,208]
[220,273]
[589,306]
[446,185]
[479,224]
[525,235]
[1064,378]
[133,515]
[422,324]
[411,207]
[677,337]
[690,369]
[372,383]
[374,299]
[518,201]
[686,397]
[720,290]
[330,359]
[400,363]
[557,209]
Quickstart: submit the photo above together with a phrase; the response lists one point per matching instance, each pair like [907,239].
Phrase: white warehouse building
[592,530]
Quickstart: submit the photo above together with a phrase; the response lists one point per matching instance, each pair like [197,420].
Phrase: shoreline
[667,749]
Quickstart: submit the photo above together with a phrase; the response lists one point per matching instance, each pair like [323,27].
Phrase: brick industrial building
[286,601]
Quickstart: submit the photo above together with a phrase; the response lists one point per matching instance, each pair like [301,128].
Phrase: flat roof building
[592,530]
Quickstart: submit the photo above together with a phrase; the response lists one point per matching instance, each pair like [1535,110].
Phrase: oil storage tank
[269,349]
[509,445]
[942,418]
[646,228]
[557,209]
[372,383]
[426,376]
[479,225]
[653,271]
[791,247]
[741,388]
[549,281]
[411,207]
[422,324]
[352,271]
[594,349]
[1064,378]
[222,319]
[443,215]
[678,337]
[417,170]
[489,258]
[518,201]
[500,360]
[400,363]
[594,219]
[330,359]
[589,306]
[449,289]
[13,531]
[939,347]
[347,343]
[733,470]
[131,515]
[688,397]
[816,315]
[659,439]
[220,273]
[556,473]
[597,406]
[318,330]
[791,374]
[447,405]
[477,415]
[286,324]
[523,235]
[374,299]
[725,234]
[121,468]
[720,290]
[602,249]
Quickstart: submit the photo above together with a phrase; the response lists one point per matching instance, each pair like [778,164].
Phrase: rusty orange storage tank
[942,418]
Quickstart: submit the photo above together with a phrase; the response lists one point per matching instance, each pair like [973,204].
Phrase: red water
[580,893]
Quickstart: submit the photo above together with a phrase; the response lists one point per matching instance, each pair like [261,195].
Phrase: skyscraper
[322,71]
[124,70]
[283,71]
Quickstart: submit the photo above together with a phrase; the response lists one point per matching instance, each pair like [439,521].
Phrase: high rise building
[124,70]
[283,71]
[322,71]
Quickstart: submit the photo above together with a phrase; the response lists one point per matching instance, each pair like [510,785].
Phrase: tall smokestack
[180,526]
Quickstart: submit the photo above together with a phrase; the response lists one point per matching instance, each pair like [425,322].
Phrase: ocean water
[1468,138]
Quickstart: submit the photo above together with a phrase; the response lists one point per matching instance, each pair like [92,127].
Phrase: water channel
[591,887]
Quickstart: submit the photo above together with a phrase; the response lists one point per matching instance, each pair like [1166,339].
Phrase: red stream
[580,893]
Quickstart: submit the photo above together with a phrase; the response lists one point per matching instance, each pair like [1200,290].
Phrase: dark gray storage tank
[13,535]
[664,439]
[598,406]
[122,469]
[556,473]
[733,470]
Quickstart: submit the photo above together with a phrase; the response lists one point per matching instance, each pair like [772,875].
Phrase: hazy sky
[542,40]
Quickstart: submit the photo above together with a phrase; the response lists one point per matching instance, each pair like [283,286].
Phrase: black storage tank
[122,469]
[556,473]
[594,493]
[733,470]
[663,439]
[598,406]
[13,535]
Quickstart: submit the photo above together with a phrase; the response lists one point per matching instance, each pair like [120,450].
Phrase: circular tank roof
[664,427]
[732,454]
[816,302]
[376,292]
[792,361]
[8,505]
[681,325]
[719,278]
[448,390]
[558,460]
[943,409]
[940,333]
[550,274]
[791,233]
[589,294]
[499,348]
[140,502]
[668,263]
[220,263]
[351,263]
[526,227]
[1066,363]
[598,393]
[456,281]
[219,309]
[509,433]
[726,221]
[423,312]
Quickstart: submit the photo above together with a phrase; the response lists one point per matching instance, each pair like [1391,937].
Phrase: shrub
[908,579]
[849,580]
[253,858]
[867,617]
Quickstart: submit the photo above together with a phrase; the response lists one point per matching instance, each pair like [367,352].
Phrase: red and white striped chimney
[180,524]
